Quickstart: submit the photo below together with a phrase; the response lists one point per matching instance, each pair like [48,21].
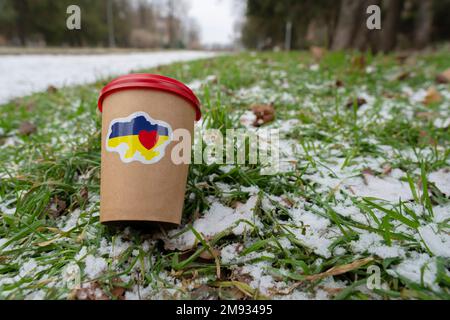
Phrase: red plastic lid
[150,81]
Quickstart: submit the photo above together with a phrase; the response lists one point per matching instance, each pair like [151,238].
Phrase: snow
[261,281]
[388,188]
[217,219]
[437,243]
[418,268]
[94,266]
[24,74]
[441,213]
[441,179]
[27,268]
[372,243]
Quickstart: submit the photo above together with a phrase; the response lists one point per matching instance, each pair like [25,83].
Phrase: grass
[52,176]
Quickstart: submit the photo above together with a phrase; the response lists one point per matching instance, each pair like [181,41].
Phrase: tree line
[122,23]
[341,24]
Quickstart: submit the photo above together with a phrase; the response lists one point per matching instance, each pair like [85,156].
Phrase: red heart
[148,138]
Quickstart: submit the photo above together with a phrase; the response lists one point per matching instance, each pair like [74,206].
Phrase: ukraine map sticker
[138,137]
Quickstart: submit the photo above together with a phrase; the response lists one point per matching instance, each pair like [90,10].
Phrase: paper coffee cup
[139,181]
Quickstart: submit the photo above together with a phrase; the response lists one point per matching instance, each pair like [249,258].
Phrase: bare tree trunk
[171,23]
[365,38]
[389,26]
[110,19]
[424,23]
[22,9]
[346,27]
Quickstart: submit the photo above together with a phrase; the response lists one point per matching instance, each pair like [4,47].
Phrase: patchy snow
[27,268]
[217,219]
[387,188]
[32,73]
[312,231]
[441,179]
[418,268]
[72,221]
[196,85]
[94,266]
[441,213]
[262,282]
[437,242]
[372,243]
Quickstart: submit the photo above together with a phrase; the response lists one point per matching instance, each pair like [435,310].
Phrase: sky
[216,19]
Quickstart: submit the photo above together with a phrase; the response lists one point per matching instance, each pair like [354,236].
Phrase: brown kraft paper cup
[143,184]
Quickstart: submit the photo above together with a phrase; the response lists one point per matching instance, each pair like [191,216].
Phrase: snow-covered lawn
[364,189]
[23,74]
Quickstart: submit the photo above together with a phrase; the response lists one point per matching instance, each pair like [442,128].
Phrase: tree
[424,24]
[346,27]
[389,32]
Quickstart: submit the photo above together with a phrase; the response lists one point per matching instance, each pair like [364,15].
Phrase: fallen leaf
[49,242]
[52,89]
[359,62]
[335,271]
[339,83]
[92,291]
[425,115]
[232,293]
[118,293]
[402,76]
[332,291]
[57,207]
[206,255]
[367,171]
[443,77]
[359,102]
[264,114]
[317,53]
[27,128]
[402,57]
[432,96]
[204,292]
[387,169]
[84,193]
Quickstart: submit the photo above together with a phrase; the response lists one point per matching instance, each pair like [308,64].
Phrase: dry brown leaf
[49,242]
[56,207]
[432,96]
[402,57]
[84,193]
[331,291]
[204,292]
[264,113]
[206,255]
[27,128]
[426,115]
[51,89]
[91,292]
[118,293]
[402,76]
[387,169]
[359,102]
[317,52]
[443,77]
[335,271]
[359,62]
[339,83]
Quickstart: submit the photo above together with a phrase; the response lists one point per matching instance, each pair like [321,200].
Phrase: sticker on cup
[138,137]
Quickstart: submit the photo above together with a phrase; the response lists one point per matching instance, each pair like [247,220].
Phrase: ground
[361,209]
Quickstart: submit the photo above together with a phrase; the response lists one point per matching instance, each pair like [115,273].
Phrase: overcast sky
[216,19]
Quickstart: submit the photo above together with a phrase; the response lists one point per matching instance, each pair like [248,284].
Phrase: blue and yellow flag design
[138,138]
